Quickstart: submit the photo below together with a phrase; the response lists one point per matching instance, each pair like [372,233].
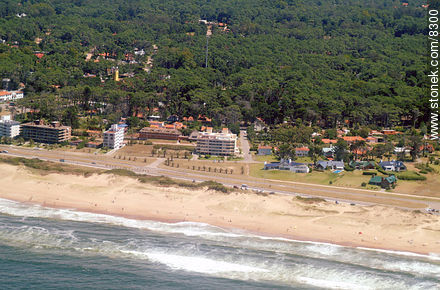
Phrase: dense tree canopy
[321,61]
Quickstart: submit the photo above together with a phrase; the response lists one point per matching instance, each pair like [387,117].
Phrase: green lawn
[304,160]
[345,179]
[265,158]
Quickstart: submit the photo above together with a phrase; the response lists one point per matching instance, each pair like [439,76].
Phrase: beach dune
[274,215]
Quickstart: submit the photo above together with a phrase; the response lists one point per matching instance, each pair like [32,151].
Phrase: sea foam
[253,266]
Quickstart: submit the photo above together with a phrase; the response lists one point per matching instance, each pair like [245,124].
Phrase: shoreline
[374,227]
[245,231]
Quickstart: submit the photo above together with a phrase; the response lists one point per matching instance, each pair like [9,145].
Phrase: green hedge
[410,175]
[369,173]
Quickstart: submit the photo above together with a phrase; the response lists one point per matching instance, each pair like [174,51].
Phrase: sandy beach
[284,216]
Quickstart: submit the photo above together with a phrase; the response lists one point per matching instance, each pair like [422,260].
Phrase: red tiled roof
[264,147]
[329,141]
[4,93]
[302,149]
[390,132]
[375,132]
[353,138]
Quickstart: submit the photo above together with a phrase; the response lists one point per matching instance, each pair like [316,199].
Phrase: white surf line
[71,214]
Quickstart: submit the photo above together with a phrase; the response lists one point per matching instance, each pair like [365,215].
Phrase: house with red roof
[156,124]
[264,150]
[390,132]
[302,152]
[353,139]
[371,139]
[375,132]
[188,119]
[204,119]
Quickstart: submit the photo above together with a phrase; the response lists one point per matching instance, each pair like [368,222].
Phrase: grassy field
[264,158]
[70,148]
[142,151]
[208,166]
[353,179]
[348,179]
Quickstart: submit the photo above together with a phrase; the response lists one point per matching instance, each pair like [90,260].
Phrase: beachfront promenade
[350,195]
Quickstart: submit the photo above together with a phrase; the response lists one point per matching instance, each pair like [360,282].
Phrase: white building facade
[114,138]
[222,144]
[9,128]
[11,95]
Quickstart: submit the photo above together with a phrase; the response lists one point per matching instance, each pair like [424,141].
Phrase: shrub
[121,172]
[348,168]
[410,175]
[369,172]
[310,199]
[363,184]
[213,185]
[380,169]
[81,145]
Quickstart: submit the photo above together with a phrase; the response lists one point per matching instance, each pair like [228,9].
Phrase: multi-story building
[223,144]
[8,127]
[159,133]
[114,138]
[38,131]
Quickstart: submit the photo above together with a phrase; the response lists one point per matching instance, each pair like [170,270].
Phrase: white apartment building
[8,127]
[223,144]
[114,137]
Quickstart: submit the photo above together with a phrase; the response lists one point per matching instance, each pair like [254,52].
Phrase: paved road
[245,147]
[280,187]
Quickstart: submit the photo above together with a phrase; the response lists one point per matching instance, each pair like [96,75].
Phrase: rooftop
[42,124]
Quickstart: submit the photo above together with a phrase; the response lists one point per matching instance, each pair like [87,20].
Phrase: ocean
[44,248]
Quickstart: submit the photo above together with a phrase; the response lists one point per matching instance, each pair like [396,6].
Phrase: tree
[341,150]
[315,151]
[358,146]
[415,144]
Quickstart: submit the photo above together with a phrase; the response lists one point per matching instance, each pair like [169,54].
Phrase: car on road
[4,151]
[244,186]
[61,160]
